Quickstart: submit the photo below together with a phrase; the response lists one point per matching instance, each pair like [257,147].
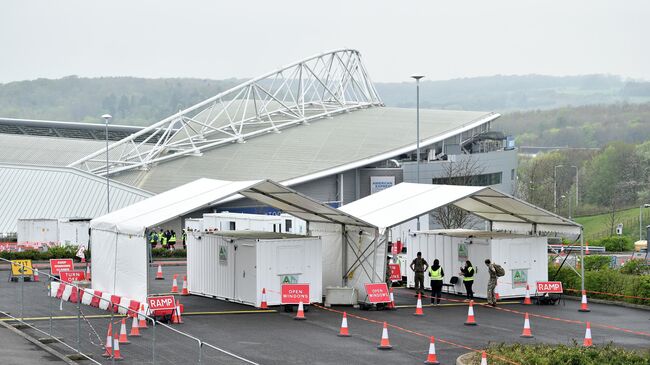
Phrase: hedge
[543,354]
[70,252]
[614,243]
[606,281]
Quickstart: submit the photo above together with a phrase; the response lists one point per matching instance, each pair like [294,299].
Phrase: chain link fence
[84,326]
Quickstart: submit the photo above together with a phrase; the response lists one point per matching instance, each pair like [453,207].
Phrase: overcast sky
[244,38]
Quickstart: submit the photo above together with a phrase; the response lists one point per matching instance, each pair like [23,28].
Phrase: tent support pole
[582,258]
[374,255]
[344,256]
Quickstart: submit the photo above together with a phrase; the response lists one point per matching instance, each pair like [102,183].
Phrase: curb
[609,302]
[38,343]
[465,359]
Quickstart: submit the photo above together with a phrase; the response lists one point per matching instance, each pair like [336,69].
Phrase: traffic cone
[418,306]
[484,358]
[88,278]
[143,320]
[385,343]
[432,358]
[527,333]
[587,248]
[184,291]
[159,275]
[109,342]
[135,328]
[179,309]
[117,355]
[527,297]
[588,341]
[391,305]
[175,284]
[301,312]
[583,303]
[470,315]
[36,278]
[344,326]
[123,339]
[496,295]
[264,305]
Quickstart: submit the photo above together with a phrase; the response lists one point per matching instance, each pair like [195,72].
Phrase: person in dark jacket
[467,272]
[436,273]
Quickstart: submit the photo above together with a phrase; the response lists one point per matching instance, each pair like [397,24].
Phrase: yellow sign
[21,267]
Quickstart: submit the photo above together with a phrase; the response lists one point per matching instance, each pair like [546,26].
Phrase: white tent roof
[202,193]
[407,201]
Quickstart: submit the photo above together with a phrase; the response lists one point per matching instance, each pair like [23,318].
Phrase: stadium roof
[307,152]
[31,192]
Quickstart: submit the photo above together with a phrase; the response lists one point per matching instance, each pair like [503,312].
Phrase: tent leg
[344,257]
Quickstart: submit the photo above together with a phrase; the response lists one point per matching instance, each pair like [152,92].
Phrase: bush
[70,252]
[606,281]
[635,267]
[162,252]
[541,354]
[597,262]
[615,243]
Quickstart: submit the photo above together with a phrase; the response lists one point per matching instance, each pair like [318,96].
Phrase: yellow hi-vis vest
[469,278]
[435,274]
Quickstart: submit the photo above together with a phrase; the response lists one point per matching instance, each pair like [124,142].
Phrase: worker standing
[492,283]
[184,238]
[467,272]
[153,239]
[163,240]
[419,266]
[172,240]
[436,273]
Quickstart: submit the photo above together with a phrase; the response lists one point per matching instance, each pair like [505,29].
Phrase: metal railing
[76,329]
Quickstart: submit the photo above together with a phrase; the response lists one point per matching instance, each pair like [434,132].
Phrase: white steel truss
[313,88]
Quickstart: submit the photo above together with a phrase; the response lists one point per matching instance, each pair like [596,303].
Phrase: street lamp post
[417,78]
[555,185]
[641,220]
[107,117]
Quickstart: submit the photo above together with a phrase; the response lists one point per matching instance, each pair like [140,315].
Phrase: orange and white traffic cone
[109,342]
[470,315]
[586,248]
[418,306]
[344,326]
[432,358]
[123,339]
[264,305]
[36,278]
[583,303]
[301,312]
[484,358]
[588,341]
[391,305]
[143,320]
[88,278]
[526,333]
[117,355]
[385,343]
[175,284]
[527,297]
[176,315]
[135,328]
[159,274]
[184,291]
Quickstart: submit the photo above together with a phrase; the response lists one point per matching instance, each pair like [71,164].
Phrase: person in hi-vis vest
[436,273]
[467,272]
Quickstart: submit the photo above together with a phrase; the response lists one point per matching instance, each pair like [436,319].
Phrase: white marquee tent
[119,245]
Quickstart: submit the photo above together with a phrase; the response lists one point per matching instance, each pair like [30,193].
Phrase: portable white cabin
[74,232]
[37,230]
[237,265]
[194,224]
[227,221]
[523,257]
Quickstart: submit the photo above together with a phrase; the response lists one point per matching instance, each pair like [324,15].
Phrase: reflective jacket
[436,274]
[468,274]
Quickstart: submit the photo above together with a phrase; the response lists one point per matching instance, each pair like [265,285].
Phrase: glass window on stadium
[475,180]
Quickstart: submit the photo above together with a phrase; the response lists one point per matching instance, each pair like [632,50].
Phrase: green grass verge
[596,224]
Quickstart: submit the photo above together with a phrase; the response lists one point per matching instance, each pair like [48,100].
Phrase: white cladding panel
[513,254]
[37,230]
[74,233]
[194,224]
[244,267]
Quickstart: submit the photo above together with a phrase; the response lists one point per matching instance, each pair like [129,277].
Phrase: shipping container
[523,257]
[74,232]
[237,265]
[38,230]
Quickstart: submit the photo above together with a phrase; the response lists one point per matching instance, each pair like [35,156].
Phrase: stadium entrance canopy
[119,242]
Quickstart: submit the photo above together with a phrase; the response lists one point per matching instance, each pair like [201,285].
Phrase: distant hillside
[138,101]
[583,126]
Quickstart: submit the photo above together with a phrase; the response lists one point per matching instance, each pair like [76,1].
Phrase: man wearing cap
[419,266]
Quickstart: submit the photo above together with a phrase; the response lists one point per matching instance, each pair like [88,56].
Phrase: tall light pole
[555,185]
[641,220]
[417,78]
[107,117]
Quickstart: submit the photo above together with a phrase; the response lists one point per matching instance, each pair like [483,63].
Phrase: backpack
[499,270]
